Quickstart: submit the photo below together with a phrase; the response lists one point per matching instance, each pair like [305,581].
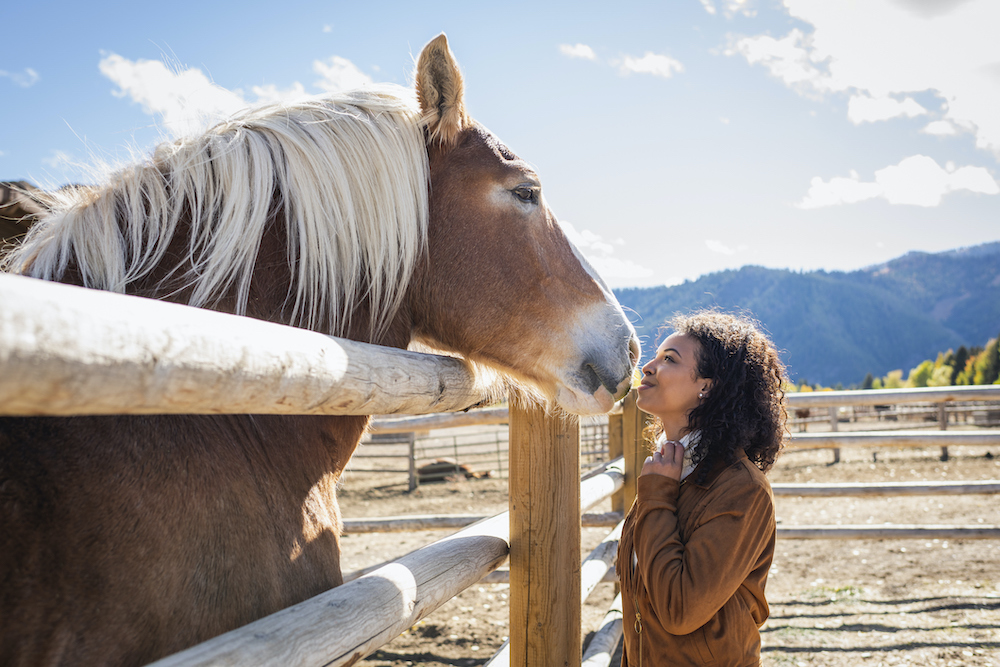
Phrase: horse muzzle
[600,381]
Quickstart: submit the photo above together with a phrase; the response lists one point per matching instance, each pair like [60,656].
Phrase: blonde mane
[349,173]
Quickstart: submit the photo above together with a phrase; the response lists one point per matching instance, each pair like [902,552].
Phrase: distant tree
[868,382]
[958,363]
[966,375]
[893,380]
[941,377]
[988,363]
[920,375]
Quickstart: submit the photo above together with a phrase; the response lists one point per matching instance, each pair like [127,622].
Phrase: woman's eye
[525,194]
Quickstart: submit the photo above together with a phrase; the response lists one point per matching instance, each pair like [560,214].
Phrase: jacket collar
[714,471]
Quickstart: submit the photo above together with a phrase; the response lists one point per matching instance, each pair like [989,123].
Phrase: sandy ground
[833,602]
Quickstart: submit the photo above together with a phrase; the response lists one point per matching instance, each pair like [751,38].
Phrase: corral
[892,599]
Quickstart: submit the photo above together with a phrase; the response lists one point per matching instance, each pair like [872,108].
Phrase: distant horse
[365,215]
[19,209]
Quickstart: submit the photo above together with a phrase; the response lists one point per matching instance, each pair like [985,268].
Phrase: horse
[19,209]
[385,215]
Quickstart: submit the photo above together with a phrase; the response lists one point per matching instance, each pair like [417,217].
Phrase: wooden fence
[66,351]
[402,445]
[70,351]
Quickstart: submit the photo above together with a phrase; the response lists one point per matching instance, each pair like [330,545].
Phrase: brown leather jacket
[704,551]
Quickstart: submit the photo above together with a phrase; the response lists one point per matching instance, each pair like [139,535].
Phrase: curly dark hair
[745,406]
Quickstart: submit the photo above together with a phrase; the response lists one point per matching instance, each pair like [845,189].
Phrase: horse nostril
[634,350]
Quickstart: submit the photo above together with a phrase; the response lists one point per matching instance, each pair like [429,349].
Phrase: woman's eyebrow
[674,350]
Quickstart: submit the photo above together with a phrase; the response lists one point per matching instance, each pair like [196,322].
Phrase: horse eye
[525,194]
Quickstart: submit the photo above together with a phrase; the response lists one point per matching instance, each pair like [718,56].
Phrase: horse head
[509,289]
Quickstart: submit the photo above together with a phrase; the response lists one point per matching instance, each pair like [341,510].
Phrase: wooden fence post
[544,480]
[616,449]
[834,426]
[943,423]
[634,422]
[412,449]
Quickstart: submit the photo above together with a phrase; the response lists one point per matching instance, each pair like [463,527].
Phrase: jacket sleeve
[689,580]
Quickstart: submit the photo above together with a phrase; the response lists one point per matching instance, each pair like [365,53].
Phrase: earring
[701,395]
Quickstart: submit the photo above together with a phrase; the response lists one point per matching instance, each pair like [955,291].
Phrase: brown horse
[124,539]
[19,209]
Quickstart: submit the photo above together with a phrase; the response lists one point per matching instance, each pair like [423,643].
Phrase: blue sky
[673,138]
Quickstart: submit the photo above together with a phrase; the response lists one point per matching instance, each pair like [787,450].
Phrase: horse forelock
[348,174]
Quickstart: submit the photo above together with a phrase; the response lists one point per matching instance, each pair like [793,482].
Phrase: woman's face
[670,382]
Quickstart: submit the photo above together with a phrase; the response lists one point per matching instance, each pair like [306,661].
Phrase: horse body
[123,539]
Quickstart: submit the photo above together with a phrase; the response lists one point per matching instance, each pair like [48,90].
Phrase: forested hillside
[837,327]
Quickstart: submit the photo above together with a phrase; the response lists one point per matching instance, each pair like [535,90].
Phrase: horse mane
[348,174]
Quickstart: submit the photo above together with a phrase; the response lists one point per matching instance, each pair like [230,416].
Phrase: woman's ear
[706,385]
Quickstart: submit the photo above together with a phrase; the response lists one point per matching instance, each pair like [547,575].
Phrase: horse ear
[440,92]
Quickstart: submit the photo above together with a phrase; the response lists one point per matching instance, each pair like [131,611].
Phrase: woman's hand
[667,461]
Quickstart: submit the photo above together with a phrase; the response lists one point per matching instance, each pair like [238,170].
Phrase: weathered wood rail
[68,351]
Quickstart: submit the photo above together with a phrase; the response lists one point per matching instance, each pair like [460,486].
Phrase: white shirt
[689,442]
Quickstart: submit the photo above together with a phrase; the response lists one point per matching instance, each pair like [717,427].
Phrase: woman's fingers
[672,451]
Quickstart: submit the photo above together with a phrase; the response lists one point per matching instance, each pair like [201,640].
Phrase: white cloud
[600,253]
[886,48]
[26,79]
[577,51]
[651,63]
[719,247]
[867,109]
[839,190]
[731,7]
[339,74]
[790,59]
[186,100]
[327,28]
[271,93]
[942,128]
[915,181]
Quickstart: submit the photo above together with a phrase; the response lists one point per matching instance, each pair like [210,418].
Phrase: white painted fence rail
[66,350]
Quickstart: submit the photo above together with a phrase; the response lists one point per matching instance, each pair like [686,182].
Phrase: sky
[673,138]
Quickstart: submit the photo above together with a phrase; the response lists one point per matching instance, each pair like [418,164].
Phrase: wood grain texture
[347,623]
[634,444]
[67,350]
[545,609]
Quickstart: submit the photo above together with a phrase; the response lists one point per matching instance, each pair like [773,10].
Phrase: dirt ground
[834,603]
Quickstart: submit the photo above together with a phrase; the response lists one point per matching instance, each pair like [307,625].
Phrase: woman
[697,544]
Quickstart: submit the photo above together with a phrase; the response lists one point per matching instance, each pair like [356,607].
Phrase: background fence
[404,446]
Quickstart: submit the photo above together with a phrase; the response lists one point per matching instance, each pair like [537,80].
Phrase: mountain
[835,327]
